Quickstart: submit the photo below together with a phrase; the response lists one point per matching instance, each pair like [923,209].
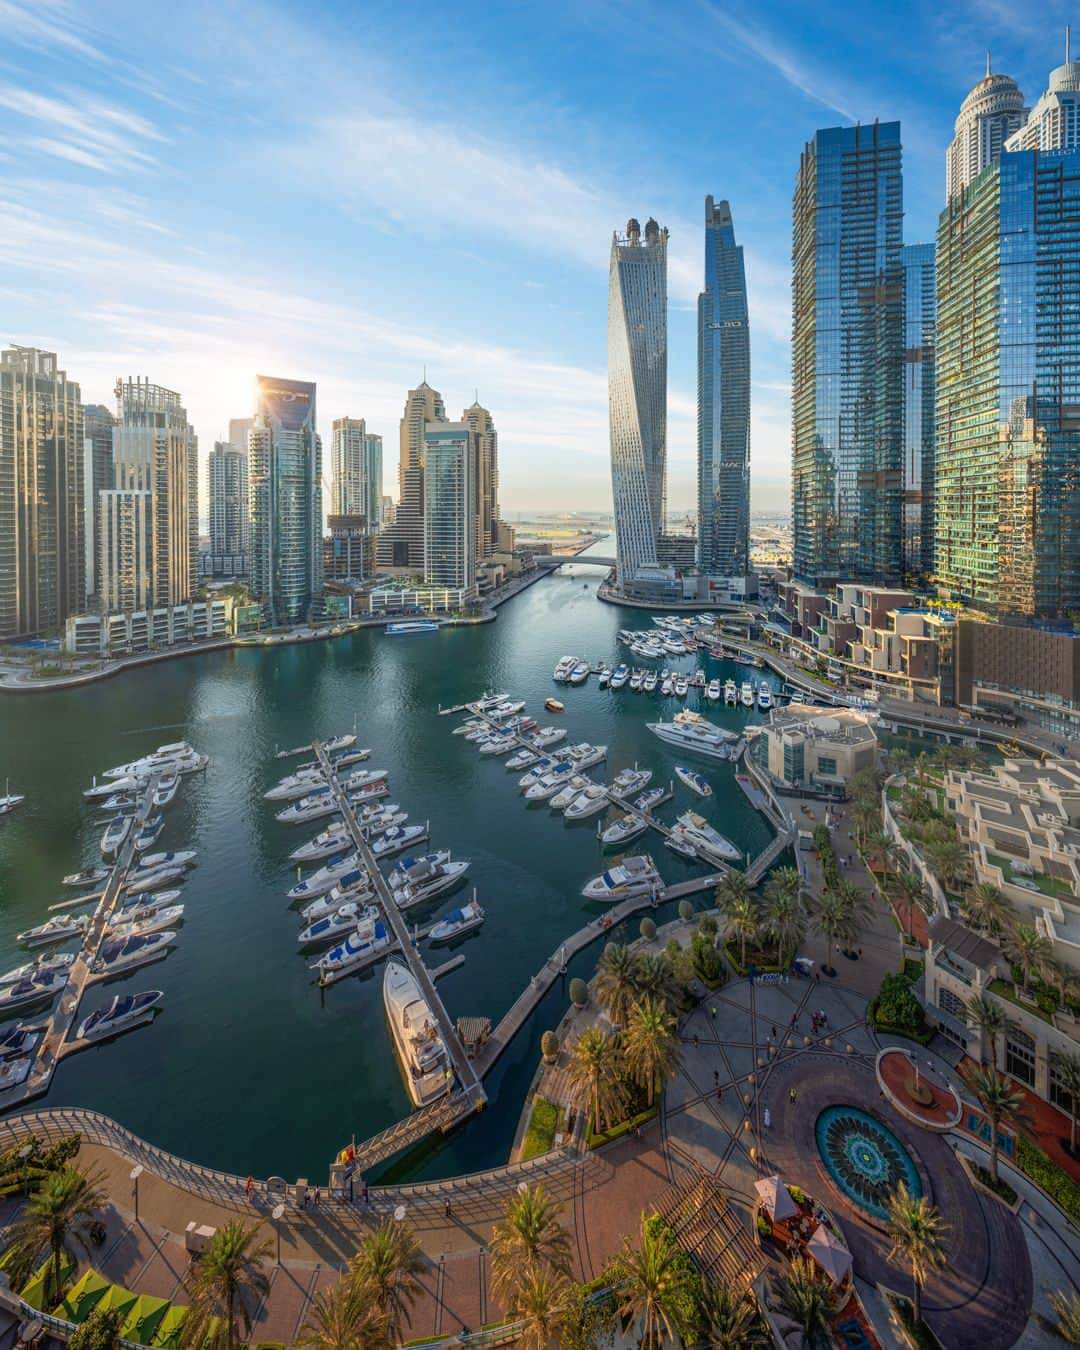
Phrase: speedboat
[712,691]
[620,675]
[46,984]
[667,687]
[399,875]
[363,778]
[681,686]
[379,821]
[649,683]
[635,681]
[690,731]
[630,780]
[505,710]
[329,903]
[100,791]
[580,673]
[154,921]
[136,950]
[764,697]
[746,694]
[318,803]
[124,1011]
[583,755]
[57,929]
[550,782]
[623,830]
[55,961]
[603,679]
[352,886]
[372,793]
[119,804]
[18,1041]
[486,702]
[141,905]
[498,744]
[473,724]
[327,842]
[154,880]
[566,794]
[342,761]
[592,801]
[424,1061]
[708,843]
[150,862]
[148,832]
[547,736]
[648,801]
[330,926]
[633,876]
[89,876]
[325,878]
[522,760]
[731,691]
[359,949]
[397,839]
[694,781]
[166,788]
[15,1071]
[339,743]
[458,921]
[116,832]
[296,785]
[428,880]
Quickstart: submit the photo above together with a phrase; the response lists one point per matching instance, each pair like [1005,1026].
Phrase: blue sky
[348,193]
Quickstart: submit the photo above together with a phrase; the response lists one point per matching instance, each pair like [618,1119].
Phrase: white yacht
[101,791]
[590,803]
[425,1063]
[153,880]
[580,673]
[708,843]
[547,736]
[329,904]
[326,843]
[318,803]
[166,788]
[498,744]
[627,781]
[522,760]
[135,908]
[681,686]
[153,922]
[89,876]
[712,691]
[127,953]
[746,694]
[148,832]
[648,801]
[473,724]
[325,878]
[9,801]
[398,876]
[362,778]
[633,876]
[15,1071]
[583,755]
[150,862]
[764,697]
[731,691]
[623,830]
[295,785]
[330,927]
[667,687]
[571,789]
[550,782]
[57,929]
[337,743]
[397,839]
[505,710]
[44,984]
[372,793]
[650,681]
[694,781]
[426,880]
[17,1041]
[542,765]
[352,886]
[47,961]
[620,675]
[379,821]
[635,681]
[367,944]
[116,832]
[126,1010]
[690,731]
[561,673]
[456,922]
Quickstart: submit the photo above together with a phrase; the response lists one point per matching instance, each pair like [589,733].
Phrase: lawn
[540,1136]
[1050,886]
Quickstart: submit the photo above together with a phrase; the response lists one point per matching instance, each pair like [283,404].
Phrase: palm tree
[867,818]
[346,1317]
[1068,1076]
[1001,1103]
[731,890]
[653,1284]
[615,981]
[883,844]
[918,1238]
[834,919]
[390,1263]
[56,1219]
[783,881]
[650,1044]
[529,1236]
[223,1283]
[949,858]
[653,977]
[1067,1307]
[914,892]
[729,1321]
[807,1298]
[785,913]
[916,804]
[594,1075]
[744,922]
[985,908]
[986,1017]
[1032,952]
[541,1302]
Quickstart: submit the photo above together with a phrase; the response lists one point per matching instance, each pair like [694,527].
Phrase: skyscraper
[723,402]
[919,417]
[239,427]
[285,496]
[126,532]
[847,351]
[449,505]
[356,467]
[1007,478]
[637,393]
[155,450]
[988,117]
[98,423]
[228,478]
[41,494]
[400,548]
[1054,122]
[486,478]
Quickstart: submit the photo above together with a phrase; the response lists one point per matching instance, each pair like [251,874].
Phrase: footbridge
[553,560]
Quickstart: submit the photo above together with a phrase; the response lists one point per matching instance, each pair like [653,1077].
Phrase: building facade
[400,547]
[988,117]
[816,749]
[919,412]
[356,471]
[449,506]
[486,477]
[348,550]
[847,356]
[1054,122]
[637,394]
[126,533]
[285,496]
[228,479]
[723,402]
[98,423]
[42,498]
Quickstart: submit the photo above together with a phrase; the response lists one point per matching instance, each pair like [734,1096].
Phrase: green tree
[743,919]
[1002,1104]
[1068,1072]
[914,892]
[834,917]
[785,911]
[655,1285]
[100,1331]
[390,1263]
[541,1301]
[616,981]
[346,1317]
[228,1278]
[19,1175]
[731,890]
[884,845]
[985,908]
[529,1236]
[918,1237]
[985,1016]
[56,1220]
[949,859]
[653,978]
[806,1296]
[651,1045]
[867,818]
[916,805]
[729,1320]
[594,1073]
[1032,952]
[1067,1308]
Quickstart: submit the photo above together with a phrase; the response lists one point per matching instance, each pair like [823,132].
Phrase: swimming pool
[863,1157]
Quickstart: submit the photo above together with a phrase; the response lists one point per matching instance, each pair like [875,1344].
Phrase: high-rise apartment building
[126,533]
[356,469]
[285,497]
[637,394]
[449,525]
[228,478]
[42,498]
[723,402]
[988,117]
[847,356]
[98,423]
[239,428]
[388,513]
[400,547]
[485,478]
[919,414]
[1054,122]
[155,450]
[1007,474]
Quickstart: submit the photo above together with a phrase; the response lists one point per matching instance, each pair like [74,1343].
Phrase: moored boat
[152,921]
[706,841]
[623,830]
[126,1010]
[419,1044]
[89,876]
[457,922]
[694,781]
[136,950]
[116,832]
[367,944]
[633,876]
[57,929]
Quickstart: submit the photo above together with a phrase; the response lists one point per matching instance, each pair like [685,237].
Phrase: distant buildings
[450,506]
[356,468]
[919,414]
[228,480]
[400,547]
[285,495]
[723,402]
[637,396]
[42,494]
[485,478]
[98,423]
[988,117]
[126,533]
[1054,122]
[348,550]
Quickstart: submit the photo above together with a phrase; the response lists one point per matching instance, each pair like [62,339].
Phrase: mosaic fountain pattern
[863,1157]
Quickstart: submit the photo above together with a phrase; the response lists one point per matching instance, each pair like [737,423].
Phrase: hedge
[1046,1173]
[760,967]
[594,1140]
[540,1136]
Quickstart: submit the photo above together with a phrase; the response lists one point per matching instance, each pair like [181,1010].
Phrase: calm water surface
[249,1067]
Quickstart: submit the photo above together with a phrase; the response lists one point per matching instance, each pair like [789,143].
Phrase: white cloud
[84,130]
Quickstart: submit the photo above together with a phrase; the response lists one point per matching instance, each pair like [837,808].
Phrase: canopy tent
[38,1289]
[829,1253]
[776,1197]
[84,1297]
[170,1328]
[143,1319]
[117,1299]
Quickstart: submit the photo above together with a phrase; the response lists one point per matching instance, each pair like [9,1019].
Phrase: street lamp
[134,1175]
[276,1214]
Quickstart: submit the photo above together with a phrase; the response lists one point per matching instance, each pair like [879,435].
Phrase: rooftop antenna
[988,63]
[1068,42]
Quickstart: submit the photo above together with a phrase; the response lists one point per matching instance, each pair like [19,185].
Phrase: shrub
[579,992]
[1045,1173]
[540,1136]
[707,961]
[100,1331]
[549,1046]
[647,929]
[707,924]
[897,1006]
[686,911]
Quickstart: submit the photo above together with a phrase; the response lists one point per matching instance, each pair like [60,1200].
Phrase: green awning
[84,1297]
[38,1288]
[117,1299]
[169,1328]
[143,1319]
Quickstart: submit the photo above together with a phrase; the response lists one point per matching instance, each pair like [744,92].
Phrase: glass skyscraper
[847,353]
[637,393]
[1007,513]
[918,509]
[449,505]
[356,456]
[723,402]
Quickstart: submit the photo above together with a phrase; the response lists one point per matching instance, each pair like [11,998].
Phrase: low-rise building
[348,550]
[1027,672]
[122,633]
[419,599]
[816,749]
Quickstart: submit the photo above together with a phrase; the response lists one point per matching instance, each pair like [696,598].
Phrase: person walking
[793,1096]
[249,1187]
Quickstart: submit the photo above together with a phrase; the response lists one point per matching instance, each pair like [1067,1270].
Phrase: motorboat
[399,876]
[707,842]
[363,778]
[89,876]
[347,757]
[589,803]
[116,832]
[681,686]
[326,878]
[633,876]
[119,804]
[457,922]
[566,794]
[550,782]
[505,710]
[480,734]
[296,785]
[165,790]
[746,694]
[648,801]
[690,731]
[584,756]
[134,908]
[630,780]
[155,879]
[487,701]
[45,984]
[352,886]
[330,927]
[428,880]
[150,862]
[13,1072]
[603,679]
[712,691]
[317,804]
[328,904]
[148,832]
[326,843]
[359,949]
[339,743]
[620,675]
[397,839]
[18,1041]
[731,691]
[290,754]
[667,687]
[635,681]
[136,950]
[554,705]
[57,929]
[561,673]
[650,681]
[498,744]
[764,697]
[547,736]
[623,830]
[542,765]
[379,821]
[473,724]
[55,961]
[580,673]
[153,921]
[126,1010]
[694,781]
[100,791]
[522,760]
[421,1051]
[373,792]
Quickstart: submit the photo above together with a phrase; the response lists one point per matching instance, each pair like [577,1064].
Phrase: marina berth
[651,799]
[623,830]
[421,1052]
[707,842]
[397,839]
[359,949]
[633,876]
[89,876]
[690,731]
[52,961]
[45,984]
[694,781]
[129,952]
[126,1010]
[57,929]
[325,878]
[457,922]
[153,921]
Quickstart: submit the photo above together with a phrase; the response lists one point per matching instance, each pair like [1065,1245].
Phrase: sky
[359,193]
